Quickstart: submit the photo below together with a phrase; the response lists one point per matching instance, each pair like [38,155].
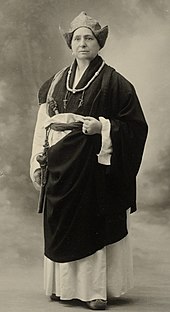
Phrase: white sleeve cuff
[104,157]
[38,140]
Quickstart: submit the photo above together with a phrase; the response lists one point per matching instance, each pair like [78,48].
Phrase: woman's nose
[82,42]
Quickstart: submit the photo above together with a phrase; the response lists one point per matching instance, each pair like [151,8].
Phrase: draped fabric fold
[86,202]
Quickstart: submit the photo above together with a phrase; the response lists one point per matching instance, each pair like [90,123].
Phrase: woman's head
[85,21]
[84,44]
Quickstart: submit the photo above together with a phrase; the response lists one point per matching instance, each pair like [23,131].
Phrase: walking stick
[43,161]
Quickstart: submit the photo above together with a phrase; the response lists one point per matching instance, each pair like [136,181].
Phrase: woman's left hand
[91,126]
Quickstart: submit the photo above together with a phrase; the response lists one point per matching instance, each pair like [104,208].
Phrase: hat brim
[101,35]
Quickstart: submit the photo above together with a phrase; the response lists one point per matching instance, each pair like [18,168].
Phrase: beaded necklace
[53,104]
[74,90]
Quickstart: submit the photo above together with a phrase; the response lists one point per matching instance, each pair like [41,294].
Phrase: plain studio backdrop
[32,50]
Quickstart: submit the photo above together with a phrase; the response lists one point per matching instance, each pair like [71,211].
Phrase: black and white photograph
[84,155]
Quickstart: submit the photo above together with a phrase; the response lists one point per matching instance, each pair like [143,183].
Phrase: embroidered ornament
[52,104]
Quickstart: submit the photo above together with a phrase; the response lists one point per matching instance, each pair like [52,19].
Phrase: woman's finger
[89,118]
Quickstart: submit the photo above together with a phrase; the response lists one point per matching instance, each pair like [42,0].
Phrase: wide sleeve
[104,156]
[128,132]
[40,133]
[38,139]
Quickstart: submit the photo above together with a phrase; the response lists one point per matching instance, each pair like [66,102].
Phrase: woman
[92,120]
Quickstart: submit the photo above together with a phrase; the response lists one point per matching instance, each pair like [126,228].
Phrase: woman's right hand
[37,179]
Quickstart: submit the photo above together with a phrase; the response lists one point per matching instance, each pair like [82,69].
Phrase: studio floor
[21,281]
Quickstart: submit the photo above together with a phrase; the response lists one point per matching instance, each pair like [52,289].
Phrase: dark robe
[86,202]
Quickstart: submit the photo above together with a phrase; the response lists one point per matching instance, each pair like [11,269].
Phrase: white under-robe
[108,272]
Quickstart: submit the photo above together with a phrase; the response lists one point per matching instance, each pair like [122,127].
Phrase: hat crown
[83,20]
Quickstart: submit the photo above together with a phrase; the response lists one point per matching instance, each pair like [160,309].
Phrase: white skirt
[106,274]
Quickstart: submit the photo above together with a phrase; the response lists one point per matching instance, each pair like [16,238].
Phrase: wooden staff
[43,161]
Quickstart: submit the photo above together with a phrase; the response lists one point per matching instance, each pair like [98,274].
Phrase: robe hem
[63,259]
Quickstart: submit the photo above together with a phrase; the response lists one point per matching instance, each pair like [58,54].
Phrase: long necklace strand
[89,82]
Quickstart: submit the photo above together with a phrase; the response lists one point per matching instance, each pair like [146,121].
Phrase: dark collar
[88,74]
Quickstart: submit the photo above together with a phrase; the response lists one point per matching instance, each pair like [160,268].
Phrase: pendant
[80,102]
[81,99]
[65,103]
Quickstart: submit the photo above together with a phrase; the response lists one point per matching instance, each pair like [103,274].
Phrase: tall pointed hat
[83,20]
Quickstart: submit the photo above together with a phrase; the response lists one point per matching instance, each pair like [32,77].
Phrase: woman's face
[84,44]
